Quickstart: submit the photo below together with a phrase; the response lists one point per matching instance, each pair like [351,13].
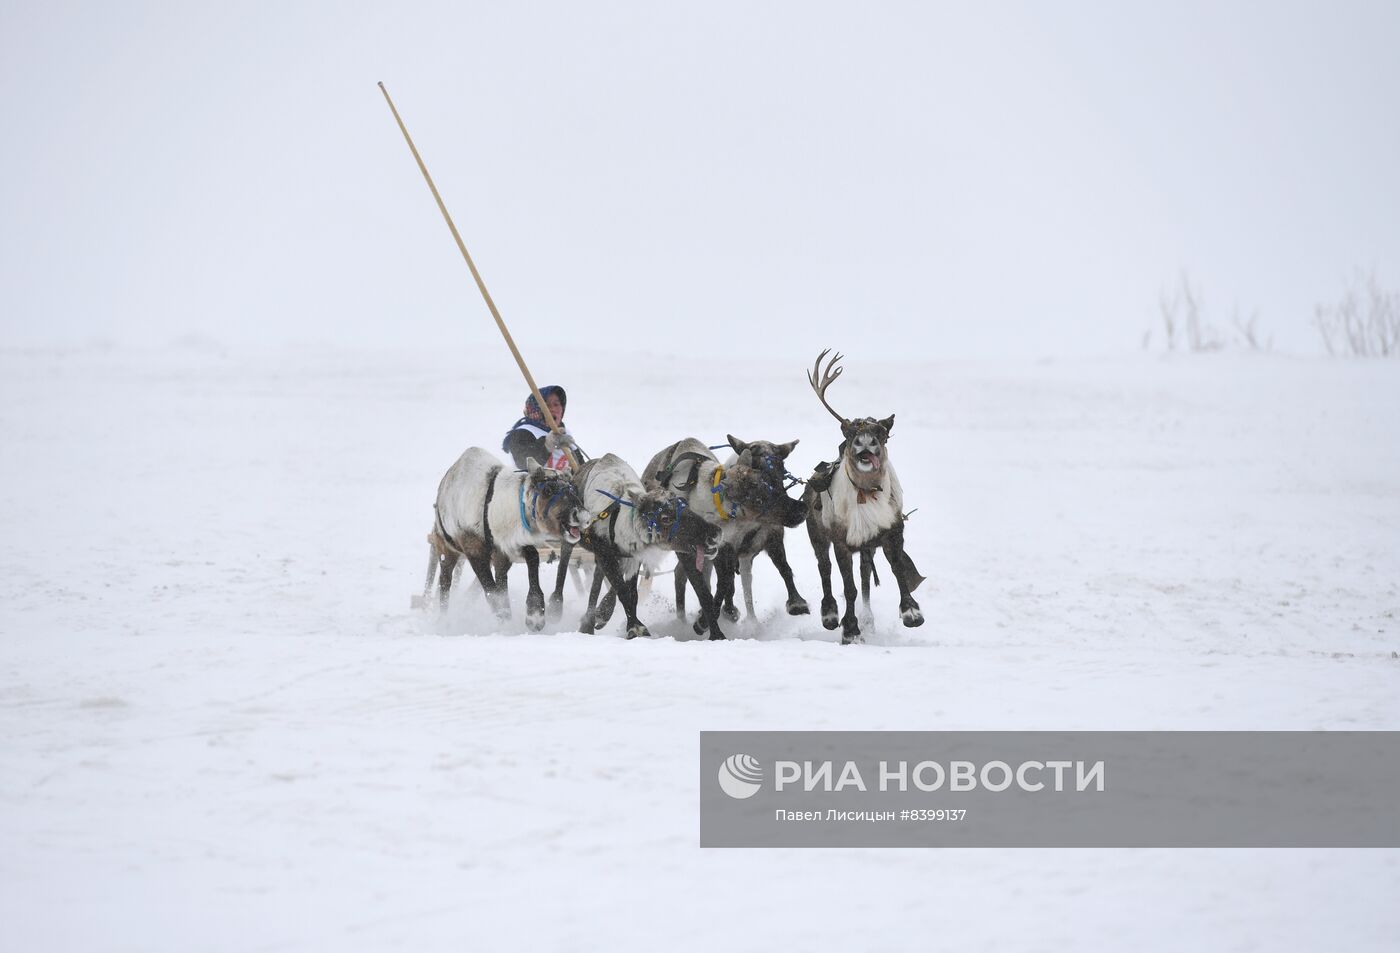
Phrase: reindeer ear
[786,448]
[888,423]
[738,445]
[846,430]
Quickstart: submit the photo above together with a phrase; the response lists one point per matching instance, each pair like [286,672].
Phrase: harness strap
[524,522]
[680,508]
[612,513]
[552,500]
[668,470]
[715,493]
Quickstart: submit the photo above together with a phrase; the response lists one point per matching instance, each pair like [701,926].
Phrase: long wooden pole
[462,247]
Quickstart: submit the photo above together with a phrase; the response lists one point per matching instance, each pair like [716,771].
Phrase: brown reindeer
[855,505]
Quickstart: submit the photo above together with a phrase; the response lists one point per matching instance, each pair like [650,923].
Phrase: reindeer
[738,499]
[634,522]
[855,505]
[766,536]
[493,516]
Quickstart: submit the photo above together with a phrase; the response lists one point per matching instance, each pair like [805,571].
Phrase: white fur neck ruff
[862,521]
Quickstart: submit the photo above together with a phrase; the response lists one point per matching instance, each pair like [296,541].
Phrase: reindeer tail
[434,559]
[437,548]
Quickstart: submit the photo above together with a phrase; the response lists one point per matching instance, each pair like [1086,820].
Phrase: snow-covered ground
[222,728]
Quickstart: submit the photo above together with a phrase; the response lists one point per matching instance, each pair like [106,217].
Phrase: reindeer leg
[448,562]
[796,605]
[709,607]
[589,624]
[635,584]
[702,625]
[909,611]
[481,565]
[608,604]
[702,621]
[726,565]
[867,566]
[681,578]
[746,577]
[850,627]
[555,610]
[534,596]
[627,595]
[500,565]
[822,547]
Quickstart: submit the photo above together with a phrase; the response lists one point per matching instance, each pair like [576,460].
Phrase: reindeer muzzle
[868,461]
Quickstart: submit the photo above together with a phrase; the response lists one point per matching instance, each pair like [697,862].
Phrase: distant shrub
[1364,323]
[1180,308]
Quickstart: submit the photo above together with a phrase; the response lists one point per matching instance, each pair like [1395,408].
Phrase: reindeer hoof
[912,616]
[605,608]
[850,630]
[731,613]
[638,631]
[555,610]
[586,624]
[797,606]
[700,628]
[852,639]
[718,636]
[829,617]
[534,620]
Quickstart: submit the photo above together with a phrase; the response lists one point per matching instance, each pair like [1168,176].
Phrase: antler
[828,376]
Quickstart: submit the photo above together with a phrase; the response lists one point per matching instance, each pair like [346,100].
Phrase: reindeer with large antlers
[855,505]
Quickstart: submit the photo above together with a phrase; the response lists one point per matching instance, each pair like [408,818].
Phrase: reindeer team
[687,502]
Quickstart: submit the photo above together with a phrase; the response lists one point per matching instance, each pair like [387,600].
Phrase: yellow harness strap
[714,492]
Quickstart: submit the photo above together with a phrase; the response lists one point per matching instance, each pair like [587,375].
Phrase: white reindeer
[631,522]
[494,515]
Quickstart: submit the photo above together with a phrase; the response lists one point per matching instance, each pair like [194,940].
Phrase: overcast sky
[970,180]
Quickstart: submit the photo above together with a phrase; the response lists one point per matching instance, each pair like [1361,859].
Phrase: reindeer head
[864,439]
[768,461]
[552,503]
[742,490]
[667,521]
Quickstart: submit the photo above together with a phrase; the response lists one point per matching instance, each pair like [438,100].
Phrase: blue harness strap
[680,508]
[615,499]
